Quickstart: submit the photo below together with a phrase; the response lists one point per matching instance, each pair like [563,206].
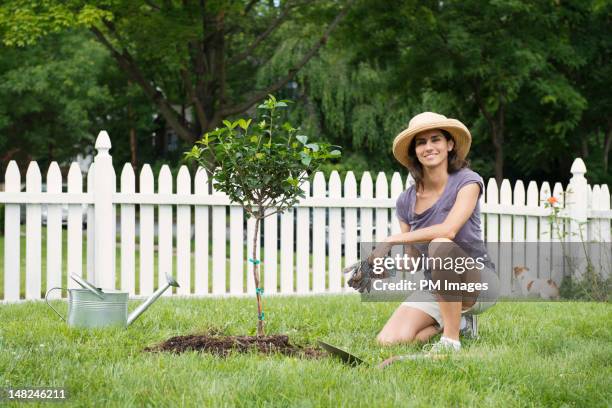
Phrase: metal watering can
[92,307]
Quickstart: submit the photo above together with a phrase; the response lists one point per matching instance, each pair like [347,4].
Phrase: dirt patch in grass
[224,345]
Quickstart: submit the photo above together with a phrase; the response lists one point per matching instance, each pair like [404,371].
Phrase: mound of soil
[224,345]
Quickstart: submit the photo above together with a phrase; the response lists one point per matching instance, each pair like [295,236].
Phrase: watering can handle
[48,304]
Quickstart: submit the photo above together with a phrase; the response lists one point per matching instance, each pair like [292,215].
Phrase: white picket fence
[193,228]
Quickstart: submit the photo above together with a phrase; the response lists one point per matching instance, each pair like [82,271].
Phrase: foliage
[348,104]
[522,76]
[56,95]
[530,79]
[357,163]
[592,286]
[50,95]
[591,283]
[131,111]
[261,167]
[199,55]
[562,115]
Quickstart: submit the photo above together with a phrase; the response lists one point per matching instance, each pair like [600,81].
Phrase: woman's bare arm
[408,249]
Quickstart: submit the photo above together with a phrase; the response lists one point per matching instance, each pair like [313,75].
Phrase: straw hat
[427,121]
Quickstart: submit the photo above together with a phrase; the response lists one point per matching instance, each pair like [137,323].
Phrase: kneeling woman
[440,215]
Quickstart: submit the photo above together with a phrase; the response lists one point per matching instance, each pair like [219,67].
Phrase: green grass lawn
[529,354]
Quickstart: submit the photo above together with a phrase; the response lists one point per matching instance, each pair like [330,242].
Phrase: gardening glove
[360,277]
[362,274]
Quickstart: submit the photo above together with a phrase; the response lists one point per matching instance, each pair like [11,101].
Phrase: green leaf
[244,124]
[335,153]
[194,153]
[313,146]
[287,126]
[305,158]
[303,139]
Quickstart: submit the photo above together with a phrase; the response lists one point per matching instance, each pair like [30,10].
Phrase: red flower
[552,200]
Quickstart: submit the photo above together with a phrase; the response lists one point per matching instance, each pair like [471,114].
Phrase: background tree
[486,56]
[214,47]
[50,96]
[515,72]
[529,79]
[346,101]
[591,24]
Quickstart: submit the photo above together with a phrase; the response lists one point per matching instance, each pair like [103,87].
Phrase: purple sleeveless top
[469,236]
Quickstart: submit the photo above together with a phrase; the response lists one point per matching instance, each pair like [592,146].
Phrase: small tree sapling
[261,167]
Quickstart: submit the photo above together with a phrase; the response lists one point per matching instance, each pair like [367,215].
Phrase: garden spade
[354,361]
[343,355]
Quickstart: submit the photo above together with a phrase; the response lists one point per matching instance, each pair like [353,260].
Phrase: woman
[441,212]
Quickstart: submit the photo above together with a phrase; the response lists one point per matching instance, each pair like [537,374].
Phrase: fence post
[12,235]
[577,206]
[104,223]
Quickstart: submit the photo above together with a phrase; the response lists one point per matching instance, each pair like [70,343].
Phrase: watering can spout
[145,305]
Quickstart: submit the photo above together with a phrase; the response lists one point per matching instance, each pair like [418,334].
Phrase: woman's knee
[403,325]
[410,336]
[442,240]
[391,337]
[436,244]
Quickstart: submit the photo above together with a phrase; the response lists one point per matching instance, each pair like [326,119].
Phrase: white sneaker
[444,346]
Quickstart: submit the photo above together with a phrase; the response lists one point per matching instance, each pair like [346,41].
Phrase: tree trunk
[497,137]
[496,121]
[606,149]
[133,143]
[260,314]
[499,163]
[133,147]
[50,151]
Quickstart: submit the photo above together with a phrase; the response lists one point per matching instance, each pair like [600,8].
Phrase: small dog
[534,287]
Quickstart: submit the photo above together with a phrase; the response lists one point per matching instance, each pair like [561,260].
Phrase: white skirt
[428,303]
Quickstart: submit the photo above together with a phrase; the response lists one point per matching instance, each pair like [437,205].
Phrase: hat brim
[461,135]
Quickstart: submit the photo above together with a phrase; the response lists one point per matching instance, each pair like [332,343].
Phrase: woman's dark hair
[416,168]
